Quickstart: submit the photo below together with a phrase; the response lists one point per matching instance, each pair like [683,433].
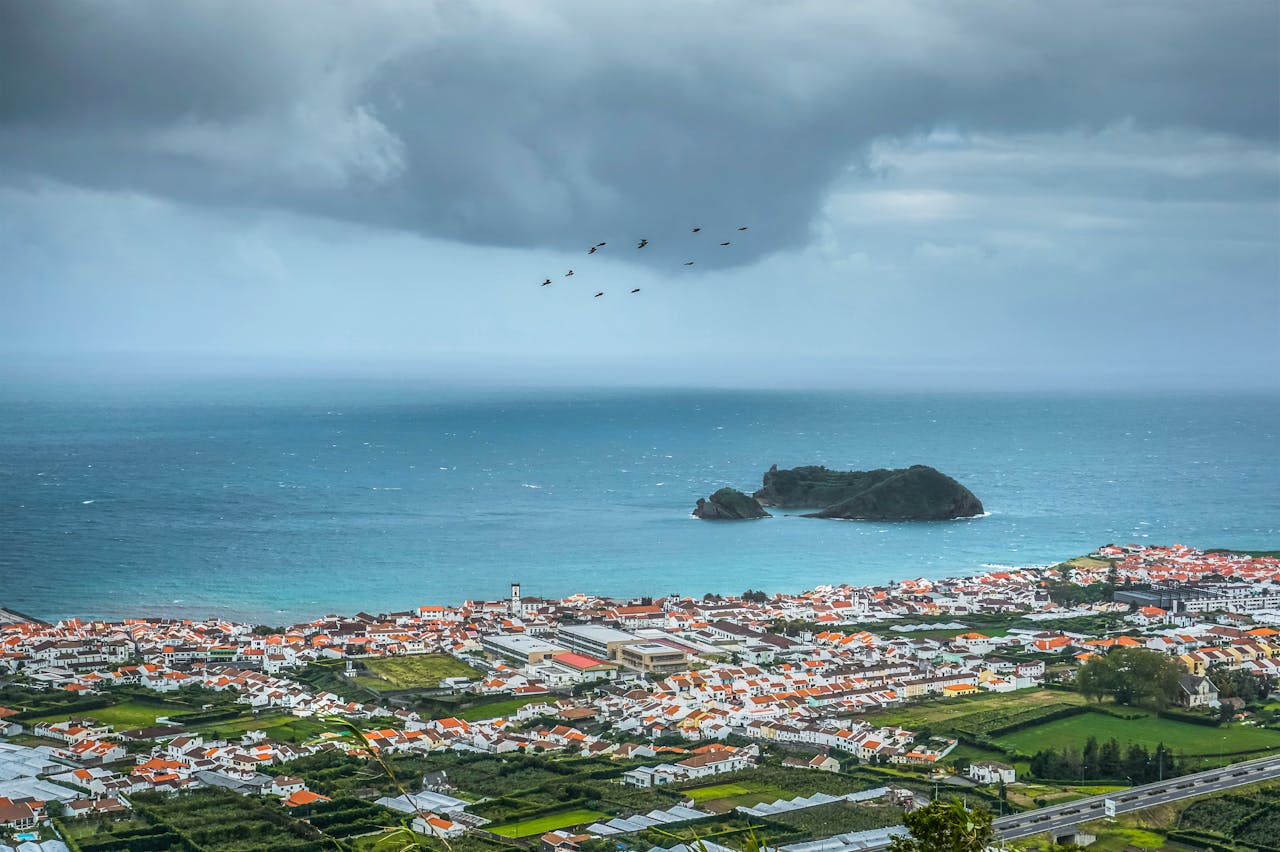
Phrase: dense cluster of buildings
[685,672]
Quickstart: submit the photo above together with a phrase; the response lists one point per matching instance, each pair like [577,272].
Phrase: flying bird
[688,263]
[598,295]
[567,274]
[743,228]
[696,230]
[545,283]
[599,245]
[637,290]
[593,250]
[726,243]
[643,243]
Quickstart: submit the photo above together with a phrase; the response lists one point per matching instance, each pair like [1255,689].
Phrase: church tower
[516,609]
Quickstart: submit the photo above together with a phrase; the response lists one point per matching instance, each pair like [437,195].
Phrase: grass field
[551,822]
[1184,738]
[936,713]
[420,671]
[768,784]
[82,829]
[278,726]
[500,708]
[129,714]
[717,791]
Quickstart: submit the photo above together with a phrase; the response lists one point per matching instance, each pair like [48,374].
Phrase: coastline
[184,611]
[180,612]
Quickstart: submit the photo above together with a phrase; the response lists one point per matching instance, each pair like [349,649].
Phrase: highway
[1137,798]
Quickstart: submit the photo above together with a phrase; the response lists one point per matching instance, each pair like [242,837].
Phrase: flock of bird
[643,243]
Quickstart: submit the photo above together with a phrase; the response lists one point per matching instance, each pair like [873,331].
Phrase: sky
[987,194]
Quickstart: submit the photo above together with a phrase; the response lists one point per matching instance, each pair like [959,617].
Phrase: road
[1133,799]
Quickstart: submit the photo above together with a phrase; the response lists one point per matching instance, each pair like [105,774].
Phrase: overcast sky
[978,194]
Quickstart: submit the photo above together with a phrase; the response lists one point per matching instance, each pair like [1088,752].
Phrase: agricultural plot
[717,791]
[499,708]
[281,727]
[1185,738]
[384,841]
[550,822]
[732,829]
[101,828]
[420,671]
[940,715]
[839,818]
[123,716]
[212,820]
[768,784]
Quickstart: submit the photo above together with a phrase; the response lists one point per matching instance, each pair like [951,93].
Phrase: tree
[1137,763]
[1239,683]
[1110,759]
[946,827]
[1089,757]
[1131,676]
[1165,766]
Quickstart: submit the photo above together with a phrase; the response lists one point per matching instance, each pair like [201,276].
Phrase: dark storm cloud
[554,124]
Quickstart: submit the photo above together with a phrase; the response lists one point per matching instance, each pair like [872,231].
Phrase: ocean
[282,503]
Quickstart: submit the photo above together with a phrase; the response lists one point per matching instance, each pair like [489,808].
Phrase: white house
[992,772]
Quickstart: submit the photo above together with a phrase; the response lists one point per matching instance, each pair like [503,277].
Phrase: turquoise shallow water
[277,503]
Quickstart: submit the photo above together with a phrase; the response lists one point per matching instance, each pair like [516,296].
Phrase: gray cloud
[554,124]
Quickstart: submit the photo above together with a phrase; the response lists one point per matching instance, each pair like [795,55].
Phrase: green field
[939,713]
[82,829]
[420,671]
[717,791]
[767,784]
[123,716]
[500,708]
[551,822]
[278,726]
[1183,737]
[143,714]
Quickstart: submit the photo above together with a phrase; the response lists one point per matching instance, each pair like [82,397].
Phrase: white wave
[529,485]
[87,502]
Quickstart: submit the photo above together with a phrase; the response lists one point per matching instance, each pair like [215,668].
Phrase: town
[586,723]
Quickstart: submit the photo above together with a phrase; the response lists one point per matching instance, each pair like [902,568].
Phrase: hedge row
[61,828]
[1111,711]
[1192,718]
[162,840]
[1062,712]
[81,706]
[1201,840]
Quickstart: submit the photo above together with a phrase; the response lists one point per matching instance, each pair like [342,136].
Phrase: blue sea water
[283,503]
